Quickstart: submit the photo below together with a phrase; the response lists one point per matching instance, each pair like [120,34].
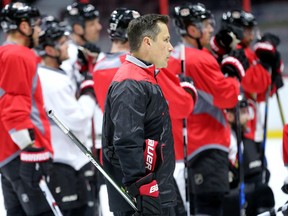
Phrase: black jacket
[136,110]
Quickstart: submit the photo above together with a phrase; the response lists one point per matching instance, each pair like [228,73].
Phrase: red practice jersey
[103,74]
[207,126]
[21,102]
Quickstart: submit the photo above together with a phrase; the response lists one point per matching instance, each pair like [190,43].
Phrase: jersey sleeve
[19,75]
[180,102]
[256,79]
[221,91]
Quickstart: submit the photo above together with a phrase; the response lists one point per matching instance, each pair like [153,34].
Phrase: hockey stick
[242,200]
[280,108]
[265,133]
[49,197]
[67,131]
[185,141]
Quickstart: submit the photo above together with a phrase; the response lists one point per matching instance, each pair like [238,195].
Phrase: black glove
[87,86]
[266,51]
[145,190]
[87,54]
[277,68]
[233,176]
[188,85]
[273,39]
[235,64]
[223,42]
[35,163]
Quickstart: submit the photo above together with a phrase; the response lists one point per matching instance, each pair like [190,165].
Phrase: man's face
[207,31]
[161,47]
[62,45]
[248,36]
[92,30]
[36,31]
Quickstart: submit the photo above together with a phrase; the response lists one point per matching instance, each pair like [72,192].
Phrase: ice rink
[275,164]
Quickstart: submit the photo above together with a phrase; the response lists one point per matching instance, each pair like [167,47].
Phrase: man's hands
[187,84]
[223,42]
[87,86]
[35,163]
[235,64]
[87,55]
[146,192]
[270,57]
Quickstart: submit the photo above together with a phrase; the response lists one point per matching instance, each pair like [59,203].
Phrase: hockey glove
[87,55]
[35,163]
[187,84]
[266,50]
[223,42]
[87,87]
[235,65]
[146,192]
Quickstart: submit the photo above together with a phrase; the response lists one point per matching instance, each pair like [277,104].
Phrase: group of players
[213,85]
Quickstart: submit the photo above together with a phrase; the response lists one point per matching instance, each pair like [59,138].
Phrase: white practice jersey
[59,96]
[70,67]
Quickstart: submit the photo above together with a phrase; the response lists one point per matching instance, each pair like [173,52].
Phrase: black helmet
[78,13]
[118,23]
[187,14]
[14,13]
[236,21]
[51,31]
[242,100]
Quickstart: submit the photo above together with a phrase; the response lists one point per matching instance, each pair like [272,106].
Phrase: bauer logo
[150,154]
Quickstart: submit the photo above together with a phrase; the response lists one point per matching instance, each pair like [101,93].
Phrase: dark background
[272,16]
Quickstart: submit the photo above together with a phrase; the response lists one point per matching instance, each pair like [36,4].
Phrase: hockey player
[70,185]
[136,120]
[181,96]
[258,198]
[83,19]
[208,130]
[25,149]
[106,68]
[255,82]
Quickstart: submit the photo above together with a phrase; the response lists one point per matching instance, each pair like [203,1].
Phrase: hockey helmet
[78,13]
[187,14]
[118,23]
[236,21]
[242,100]
[14,13]
[51,31]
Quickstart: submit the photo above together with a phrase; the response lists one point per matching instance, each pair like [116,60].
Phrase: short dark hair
[144,26]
